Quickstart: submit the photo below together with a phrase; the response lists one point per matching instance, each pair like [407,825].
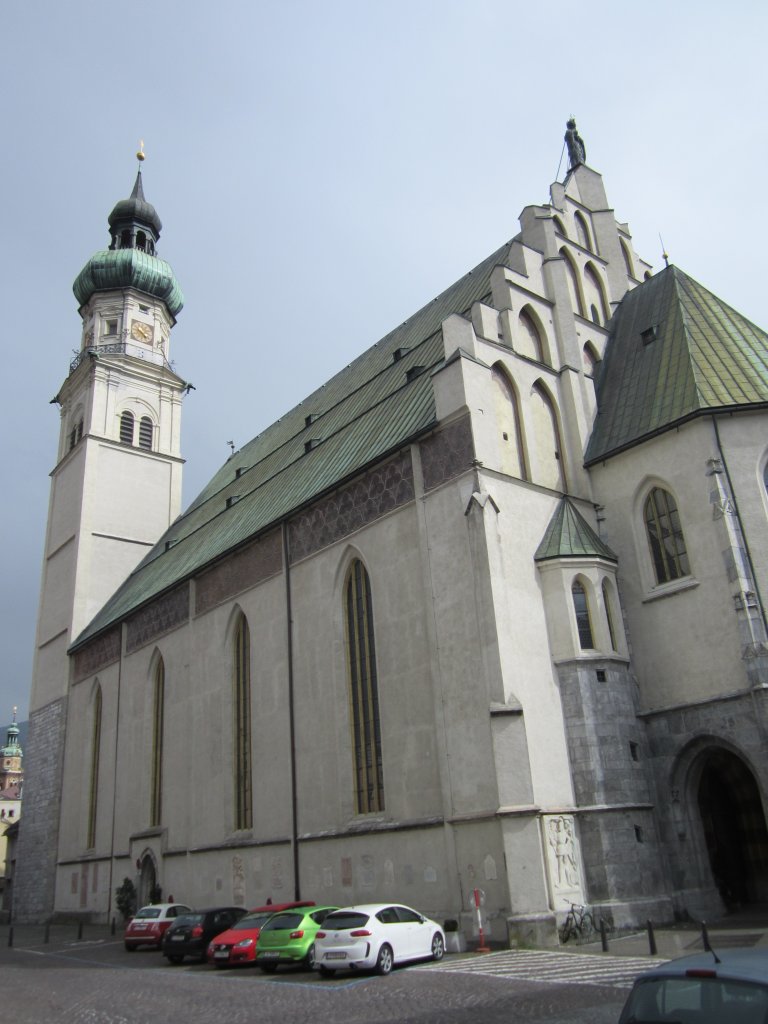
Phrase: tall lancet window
[93,797]
[363,691]
[665,536]
[581,610]
[158,711]
[242,725]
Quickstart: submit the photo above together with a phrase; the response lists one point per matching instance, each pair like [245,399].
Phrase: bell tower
[115,488]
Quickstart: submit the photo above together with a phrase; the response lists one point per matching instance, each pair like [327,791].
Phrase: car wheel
[384,960]
[268,968]
[309,960]
[175,960]
[326,972]
[438,946]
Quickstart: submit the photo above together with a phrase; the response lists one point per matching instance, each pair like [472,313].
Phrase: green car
[289,938]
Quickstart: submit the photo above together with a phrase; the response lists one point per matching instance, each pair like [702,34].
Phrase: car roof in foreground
[736,964]
[371,908]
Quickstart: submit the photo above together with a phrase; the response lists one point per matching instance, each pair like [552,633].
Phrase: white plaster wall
[672,627]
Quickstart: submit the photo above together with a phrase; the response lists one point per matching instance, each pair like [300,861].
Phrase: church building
[486,611]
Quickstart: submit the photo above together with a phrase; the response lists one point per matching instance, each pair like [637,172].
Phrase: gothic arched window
[158,713]
[363,691]
[665,536]
[581,610]
[242,698]
[93,797]
[126,427]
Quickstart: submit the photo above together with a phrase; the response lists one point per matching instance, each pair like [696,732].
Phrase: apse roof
[569,535]
[675,351]
[370,409]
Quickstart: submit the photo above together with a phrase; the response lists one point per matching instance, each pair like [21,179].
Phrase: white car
[376,936]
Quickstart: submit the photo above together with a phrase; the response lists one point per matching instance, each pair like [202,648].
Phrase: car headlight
[243,942]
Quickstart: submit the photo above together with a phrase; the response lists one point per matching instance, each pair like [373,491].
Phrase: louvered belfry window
[363,691]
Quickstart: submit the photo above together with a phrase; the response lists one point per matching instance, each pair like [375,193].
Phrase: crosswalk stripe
[535,965]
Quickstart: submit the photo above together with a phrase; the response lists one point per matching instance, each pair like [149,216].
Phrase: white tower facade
[115,488]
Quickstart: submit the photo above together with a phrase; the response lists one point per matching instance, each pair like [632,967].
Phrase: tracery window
[242,698]
[363,691]
[158,713]
[95,756]
[665,536]
[581,609]
[126,427]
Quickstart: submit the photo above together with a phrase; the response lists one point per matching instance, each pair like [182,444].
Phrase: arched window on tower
[242,698]
[582,231]
[581,610]
[145,433]
[665,536]
[158,713]
[529,341]
[141,241]
[125,239]
[607,602]
[507,414]
[363,691]
[93,796]
[126,427]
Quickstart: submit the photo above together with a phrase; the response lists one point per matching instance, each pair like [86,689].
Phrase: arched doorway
[734,826]
[147,880]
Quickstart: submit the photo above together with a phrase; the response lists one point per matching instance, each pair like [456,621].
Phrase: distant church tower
[11,771]
[115,488]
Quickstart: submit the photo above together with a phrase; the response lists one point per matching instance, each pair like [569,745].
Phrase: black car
[190,934]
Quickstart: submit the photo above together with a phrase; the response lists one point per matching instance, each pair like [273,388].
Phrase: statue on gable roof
[577,153]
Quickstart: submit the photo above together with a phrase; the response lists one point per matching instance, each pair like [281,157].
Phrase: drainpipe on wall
[291,716]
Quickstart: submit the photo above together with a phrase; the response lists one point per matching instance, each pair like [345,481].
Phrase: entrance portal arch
[734,826]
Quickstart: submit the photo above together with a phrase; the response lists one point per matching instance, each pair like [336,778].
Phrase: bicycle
[578,924]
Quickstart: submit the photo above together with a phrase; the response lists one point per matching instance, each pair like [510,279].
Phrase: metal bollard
[603,936]
[651,939]
[47,935]
[705,937]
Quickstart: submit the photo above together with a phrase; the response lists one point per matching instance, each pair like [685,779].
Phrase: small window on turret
[110,327]
[141,241]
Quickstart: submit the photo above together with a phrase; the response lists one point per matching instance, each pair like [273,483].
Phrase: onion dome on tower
[130,260]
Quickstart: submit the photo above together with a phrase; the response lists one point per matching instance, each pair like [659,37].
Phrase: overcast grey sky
[322,170]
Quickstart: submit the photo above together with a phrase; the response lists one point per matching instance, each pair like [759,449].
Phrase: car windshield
[283,921]
[697,999]
[149,912]
[343,919]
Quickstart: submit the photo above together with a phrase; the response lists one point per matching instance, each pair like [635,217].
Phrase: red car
[237,945]
[148,925]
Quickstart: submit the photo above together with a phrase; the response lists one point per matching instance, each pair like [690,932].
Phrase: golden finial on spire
[140,155]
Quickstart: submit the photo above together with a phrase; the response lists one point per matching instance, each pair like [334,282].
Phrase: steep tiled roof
[366,411]
[675,351]
[569,535]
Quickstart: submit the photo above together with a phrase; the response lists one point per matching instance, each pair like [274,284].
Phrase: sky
[323,170]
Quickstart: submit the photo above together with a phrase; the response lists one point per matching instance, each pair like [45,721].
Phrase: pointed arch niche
[548,468]
[363,685]
[530,338]
[582,231]
[595,296]
[572,277]
[506,408]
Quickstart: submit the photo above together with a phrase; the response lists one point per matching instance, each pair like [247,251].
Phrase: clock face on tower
[141,331]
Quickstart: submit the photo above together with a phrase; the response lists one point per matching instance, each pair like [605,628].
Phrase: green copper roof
[365,412]
[129,268]
[569,535]
[675,351]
